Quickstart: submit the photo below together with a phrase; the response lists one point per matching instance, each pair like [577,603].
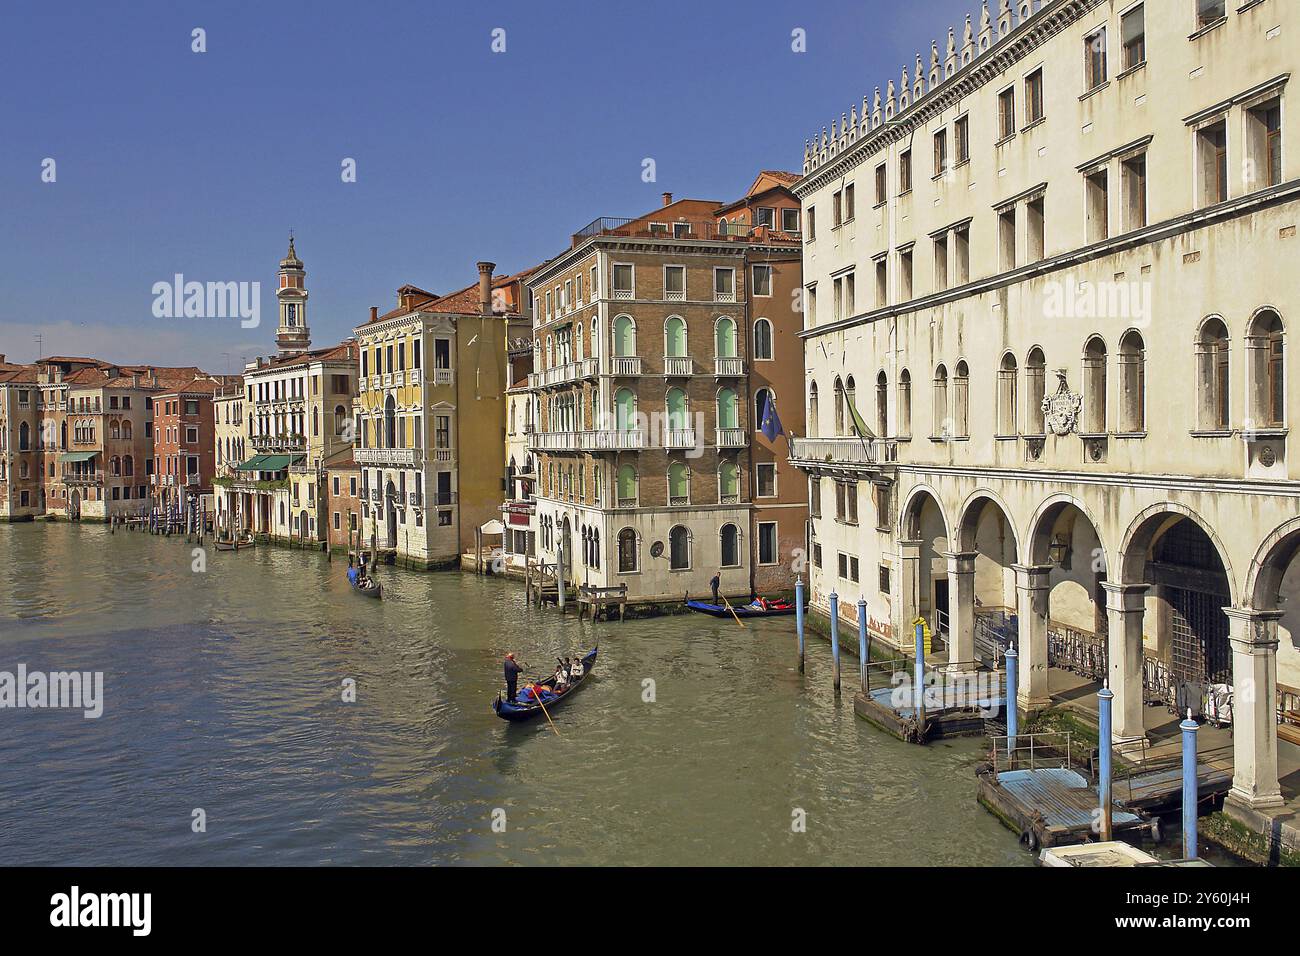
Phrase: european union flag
[771,426]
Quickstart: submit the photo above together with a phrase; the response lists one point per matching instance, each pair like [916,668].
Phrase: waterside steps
[1041,787]
[958,700]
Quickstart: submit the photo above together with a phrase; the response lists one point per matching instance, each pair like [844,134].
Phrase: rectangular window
[765,480]
[789,219]
[622,281]
[905,173]
[883,579]
[837,208]
[941,262]
[767,551]
[882,282]
[843,563]
[1007,239]
[1212,162]
[905,275]
[812,222]
[961,133]
[766,216]
[850,294]
[882,184]
[724,285]
[1007,113]
[1034,97]
[675,283]
[763,280]
[837,300]
[1133,34]
[1097,204]
[940,152]
[1094,52]
[811,299]
[1035,229]
[1134,171]
[815,497]
[1210,11]
[1264,126]
[853,568]
[848,202]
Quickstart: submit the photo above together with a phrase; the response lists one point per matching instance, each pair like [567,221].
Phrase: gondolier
[513,670]
[715,582]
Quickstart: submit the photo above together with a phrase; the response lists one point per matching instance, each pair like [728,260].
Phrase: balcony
[846,452]
[677,365]
[731,438]
[443,376]
[442,454]
[631,439]
[647,227]
[562,374]
[730,367]
[397,457]
[83,479]
[625,365]
[413,377]
[679,438]
[442,498]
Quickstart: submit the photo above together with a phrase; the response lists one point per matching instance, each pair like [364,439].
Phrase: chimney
[485,287]
[2,358]
[668,199]
[374,313]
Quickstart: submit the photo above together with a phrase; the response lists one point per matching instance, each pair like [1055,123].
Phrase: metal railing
[844,451]
[1024,751]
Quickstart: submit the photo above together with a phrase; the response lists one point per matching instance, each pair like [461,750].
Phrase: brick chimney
[374,313]
[668,199]
[485,287]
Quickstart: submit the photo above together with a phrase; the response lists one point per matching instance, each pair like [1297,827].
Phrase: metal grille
[1200,651]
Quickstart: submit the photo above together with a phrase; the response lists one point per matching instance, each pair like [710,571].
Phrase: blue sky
[170,161]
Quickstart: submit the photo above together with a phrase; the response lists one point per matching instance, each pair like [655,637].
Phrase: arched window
[730,535]
[1132,382]
[942,423]
[762,339]
[1212,372]
[595,333]
[839,407]
[961,401]
[315,422]
[24,437]
[679,548]
[595,548]
[761,398]
[128,466]
[1007,396]
[126,430]
[1094,386]
[626,487]
[114,429]
[624,335]
[905,404]
[1036,380]
[728,483]
[627,551]
[115,466]
[882,404]
[812,410]
[725,337]
[340,420]
[679,484]
[675,336]
[727,416]
[677,410]
[625,410]
[390,423]
[1264,356]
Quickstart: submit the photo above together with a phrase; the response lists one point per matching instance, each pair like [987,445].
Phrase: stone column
[1032,592]
[1254,691]
[1125,605]
[961,610]
[909,583]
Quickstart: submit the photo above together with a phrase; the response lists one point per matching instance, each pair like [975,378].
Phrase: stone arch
[1038,538]
[1147,525]
[1269,565]
[911,508]
[971,512]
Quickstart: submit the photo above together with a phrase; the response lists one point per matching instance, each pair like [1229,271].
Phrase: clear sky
[170,161]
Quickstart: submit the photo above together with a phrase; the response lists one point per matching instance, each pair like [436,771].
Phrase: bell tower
[292,337]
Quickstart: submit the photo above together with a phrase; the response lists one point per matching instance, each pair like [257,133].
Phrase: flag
[859,425]
[771,425]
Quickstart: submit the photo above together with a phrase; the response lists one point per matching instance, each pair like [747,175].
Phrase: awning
[78,455]
[253,464]
[275,462]
[493,527]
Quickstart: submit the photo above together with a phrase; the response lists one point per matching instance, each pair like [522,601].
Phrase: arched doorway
[390,514]
[924,542]
[981,582]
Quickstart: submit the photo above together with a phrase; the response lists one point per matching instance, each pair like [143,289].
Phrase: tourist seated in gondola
[577,670]
[561,677]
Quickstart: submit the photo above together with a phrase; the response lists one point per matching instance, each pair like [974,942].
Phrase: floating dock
[966,704]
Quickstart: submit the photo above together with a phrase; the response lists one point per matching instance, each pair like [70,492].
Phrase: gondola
[371,589]
[225,544]
[519,710]
[752,609]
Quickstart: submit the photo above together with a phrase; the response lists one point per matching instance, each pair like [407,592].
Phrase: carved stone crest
[1061,410]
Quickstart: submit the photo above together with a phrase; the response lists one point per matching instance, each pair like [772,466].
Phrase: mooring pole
[1189,728]
[1104,699]
[559,576]
[835,641]
[862,643]
[1010,662]
[919,678]
[798,618]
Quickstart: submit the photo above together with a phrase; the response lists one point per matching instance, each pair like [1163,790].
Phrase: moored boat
[523,710]
[756,608]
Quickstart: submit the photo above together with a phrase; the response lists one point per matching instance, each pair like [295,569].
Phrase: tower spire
[292,337]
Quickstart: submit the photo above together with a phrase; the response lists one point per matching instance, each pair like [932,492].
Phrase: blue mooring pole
[1011,660]
[1104,699]
[798,617]
[862,643]
[835,641]
[919,678]
[1189,728]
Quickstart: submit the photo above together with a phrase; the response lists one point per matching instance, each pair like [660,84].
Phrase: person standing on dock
[513,670]
[716,582]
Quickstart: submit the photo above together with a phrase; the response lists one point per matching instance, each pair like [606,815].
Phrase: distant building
[184,448]
[343,500]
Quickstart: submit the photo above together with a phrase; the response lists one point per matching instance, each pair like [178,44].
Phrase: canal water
[223,692]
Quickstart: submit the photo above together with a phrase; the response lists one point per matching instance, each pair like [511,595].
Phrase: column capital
[1252,632]
[1126,598]
[909,550]
[1032,577]
[960,562]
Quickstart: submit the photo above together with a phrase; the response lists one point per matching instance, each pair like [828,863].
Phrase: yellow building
[431,417]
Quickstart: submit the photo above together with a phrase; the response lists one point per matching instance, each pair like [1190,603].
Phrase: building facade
[1047,386]
[343,500]
[184,456]
[432,417]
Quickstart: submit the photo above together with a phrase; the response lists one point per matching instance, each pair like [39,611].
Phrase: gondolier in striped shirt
[513,670]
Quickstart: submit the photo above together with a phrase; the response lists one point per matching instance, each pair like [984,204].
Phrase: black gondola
[519,710]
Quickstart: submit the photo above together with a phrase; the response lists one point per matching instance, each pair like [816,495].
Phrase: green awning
[275,462]
[78,455]
[253,464]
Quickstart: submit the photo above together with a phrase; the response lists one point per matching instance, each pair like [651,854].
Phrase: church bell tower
[292,337]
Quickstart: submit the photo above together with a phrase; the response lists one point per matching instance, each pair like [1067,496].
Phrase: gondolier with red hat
[513,670]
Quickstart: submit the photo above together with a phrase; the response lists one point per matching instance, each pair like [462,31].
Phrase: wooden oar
[732,610]
[538,695]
